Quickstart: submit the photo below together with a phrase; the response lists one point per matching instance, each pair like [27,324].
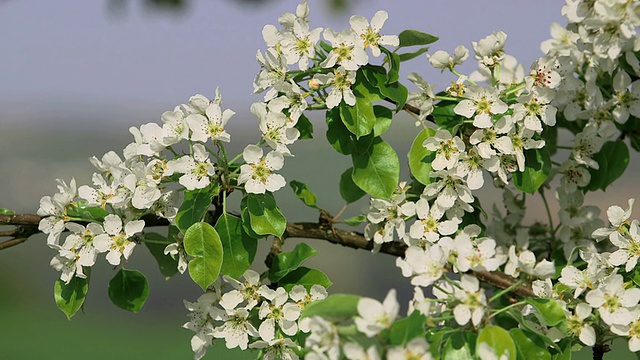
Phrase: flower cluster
[127,188]
[225,313]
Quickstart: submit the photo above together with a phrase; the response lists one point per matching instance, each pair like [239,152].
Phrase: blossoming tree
[487,286]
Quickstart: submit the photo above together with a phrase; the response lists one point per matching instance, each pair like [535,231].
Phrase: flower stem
[500,293]
[506,308]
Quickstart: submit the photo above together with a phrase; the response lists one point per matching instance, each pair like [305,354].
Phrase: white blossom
[347,51]
[369,35]
[374,316]
[613,301]
[116,240]
[443,60]
[258,173]
[481,104]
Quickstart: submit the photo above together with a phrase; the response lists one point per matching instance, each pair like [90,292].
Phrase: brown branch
[19,219]
[9,243]
[27,225]
[355,240]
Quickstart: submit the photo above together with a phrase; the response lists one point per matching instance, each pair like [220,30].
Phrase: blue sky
[61,56]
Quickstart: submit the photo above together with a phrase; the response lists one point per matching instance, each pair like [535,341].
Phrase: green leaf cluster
[287,272]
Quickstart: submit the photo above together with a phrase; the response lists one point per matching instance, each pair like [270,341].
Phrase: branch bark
[27,225]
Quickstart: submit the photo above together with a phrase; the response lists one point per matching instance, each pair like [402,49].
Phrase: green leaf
[129,290]
[81,210]
[336,307]
[529,345]
[551,139]
[156,244]
[246,220]
[238,248]
[499,340]
[613,159]
[70,297]
[537,169]
[550,310]
[565,346]
[377,76]
[286,262]
[398,93]
[383,119]
[402,331]
[266,217]
[436,337]
[305,127]
[445,116]
[356,220]
[325,46]
[340,138]
[377,171]
[420,158]
[414,37]
[202,242]
[460,346]
[394,65]
[302,192]
[305,277]
[194,205]
[365,88]
[6,211]
[349,191]
[411,55]
[359,118]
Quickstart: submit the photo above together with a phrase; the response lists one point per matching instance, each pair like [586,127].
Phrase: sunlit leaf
[202,242]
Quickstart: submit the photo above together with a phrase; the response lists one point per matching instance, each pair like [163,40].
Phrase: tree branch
[27,225]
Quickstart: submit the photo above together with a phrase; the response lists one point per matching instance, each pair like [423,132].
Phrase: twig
[28,225]
[12,242]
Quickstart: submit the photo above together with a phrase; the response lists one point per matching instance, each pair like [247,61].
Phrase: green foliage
[499,340]
[340,138]
[81,210]
[336,307]
[529,345]
[203,243]
[420,158]
[302,192]
[415,37]
[356,220]
[156,244]
[238,248]
[537,169]
[414,54]
[194,206]
[265,216]
[403,330]
[377,76]
[384,117]
[129,290]
[305,127]
[349,191]
[305,277]
[6,211]
[70,297]
[612,159]
[359,119]
[377,171]
[286,262]
[460,346]
[549,309]
[445,116]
